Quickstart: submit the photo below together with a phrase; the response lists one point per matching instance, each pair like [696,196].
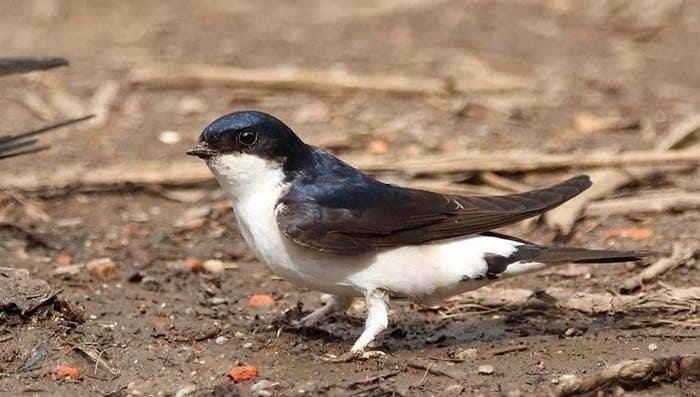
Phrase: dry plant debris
[675,300]
[630,374]
[682,254]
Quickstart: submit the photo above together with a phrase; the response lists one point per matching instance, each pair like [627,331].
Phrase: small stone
[466,354]
[454,390]
[195,265]
[186,390]
[652,347]
[248,345]
[218,301]
[103,267]
[260,388]
[378,147]
[63,260]
[169,137]
[214,266]
[261,301]
[486,369]
[220,340]
[568,378]
[569,331]
[243,373]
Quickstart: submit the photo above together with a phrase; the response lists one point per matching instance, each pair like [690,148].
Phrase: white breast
[421,272]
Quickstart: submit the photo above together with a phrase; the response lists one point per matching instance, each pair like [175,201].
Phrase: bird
[324,225]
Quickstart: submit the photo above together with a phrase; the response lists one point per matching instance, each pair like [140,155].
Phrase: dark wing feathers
[29,64]
[392,216]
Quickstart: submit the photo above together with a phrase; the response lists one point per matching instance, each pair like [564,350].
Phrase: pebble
[486,369]
[261,301]
[186,390]
[466,354]
[248,345]
[220,340]
[454,390]
[214,266]
[169,137]
[652,347]
[260,388]
[568,378]
[569,331]
[103,267]
[218,301]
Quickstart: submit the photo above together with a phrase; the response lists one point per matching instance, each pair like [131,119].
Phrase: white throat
[255,186]
[244,176]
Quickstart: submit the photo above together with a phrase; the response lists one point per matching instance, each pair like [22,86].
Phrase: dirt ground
[533,74]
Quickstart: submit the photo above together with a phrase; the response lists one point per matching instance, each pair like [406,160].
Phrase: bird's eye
[248,137]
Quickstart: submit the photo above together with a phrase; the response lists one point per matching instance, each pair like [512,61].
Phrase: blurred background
[603,73]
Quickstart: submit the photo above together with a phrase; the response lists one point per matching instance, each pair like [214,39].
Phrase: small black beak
[201,150]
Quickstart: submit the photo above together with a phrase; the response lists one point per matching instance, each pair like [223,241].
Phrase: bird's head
[243,144]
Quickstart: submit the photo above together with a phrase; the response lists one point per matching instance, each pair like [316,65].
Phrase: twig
[673,202]
[431,369]
[631,374]
[372,379]
[681,254]
[95,356]
[178,76]
[528,161]
[607,181]
[102,101]
[187,173]
[507,349]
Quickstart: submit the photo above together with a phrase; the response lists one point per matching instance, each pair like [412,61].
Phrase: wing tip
[582,181]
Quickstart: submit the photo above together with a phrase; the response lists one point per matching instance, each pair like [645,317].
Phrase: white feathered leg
[334,305]
[377,319]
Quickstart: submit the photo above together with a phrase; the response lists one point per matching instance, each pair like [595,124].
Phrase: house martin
[324,225]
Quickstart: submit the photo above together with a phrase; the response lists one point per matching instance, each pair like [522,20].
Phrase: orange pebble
[194,264]
[243,374]
[61,372]
[261,300]
[63,260]
[133,229]
[377,147]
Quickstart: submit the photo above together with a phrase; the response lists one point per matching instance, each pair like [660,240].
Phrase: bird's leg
[334,305]
[377,319]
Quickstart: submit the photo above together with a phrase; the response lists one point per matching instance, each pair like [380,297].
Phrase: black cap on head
[249,132]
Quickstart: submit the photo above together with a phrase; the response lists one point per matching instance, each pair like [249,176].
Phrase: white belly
[420,272]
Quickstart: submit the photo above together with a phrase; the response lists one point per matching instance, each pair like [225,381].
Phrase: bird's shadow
[430,330]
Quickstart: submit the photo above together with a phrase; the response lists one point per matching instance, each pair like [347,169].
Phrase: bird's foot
[311,319]
[334,305]
[352,356]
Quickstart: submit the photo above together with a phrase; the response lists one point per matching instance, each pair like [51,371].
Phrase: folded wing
[388,216]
